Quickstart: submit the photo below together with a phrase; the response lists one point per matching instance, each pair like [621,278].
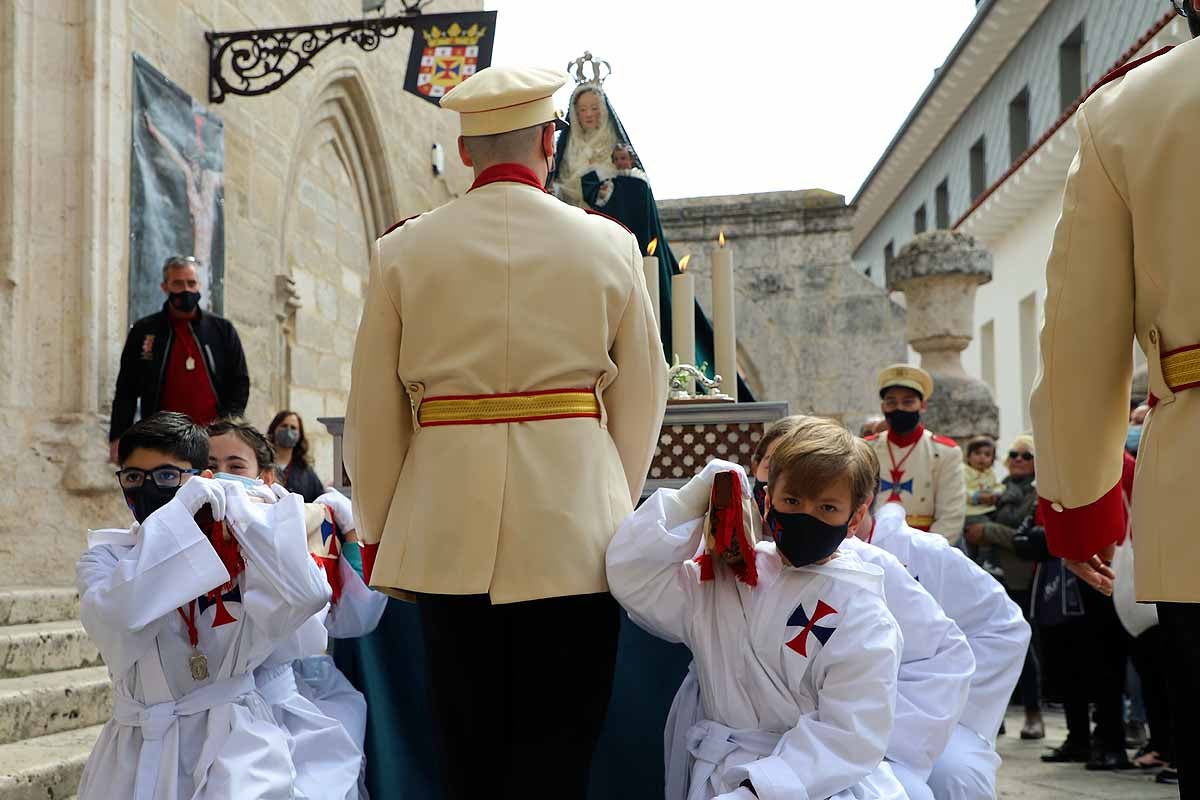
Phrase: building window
[987,355]
[889,252]
[978,169]
[1029,351]
[919,222]
[1018,124]
[1070,68]
[941,200]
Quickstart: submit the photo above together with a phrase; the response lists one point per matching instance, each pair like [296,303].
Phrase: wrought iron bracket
[253,62]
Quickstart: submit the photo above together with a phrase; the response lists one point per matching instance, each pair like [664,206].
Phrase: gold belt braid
[1181,368]
[494,409]
[919,521]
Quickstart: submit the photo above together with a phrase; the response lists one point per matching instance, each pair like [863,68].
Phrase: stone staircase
[54,694]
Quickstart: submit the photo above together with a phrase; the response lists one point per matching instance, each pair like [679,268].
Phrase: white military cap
[908,376]
[501,99]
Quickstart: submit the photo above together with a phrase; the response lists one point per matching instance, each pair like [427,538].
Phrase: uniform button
[1056,507]
[1153,336]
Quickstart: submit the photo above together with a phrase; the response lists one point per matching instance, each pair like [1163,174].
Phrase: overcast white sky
[746,95]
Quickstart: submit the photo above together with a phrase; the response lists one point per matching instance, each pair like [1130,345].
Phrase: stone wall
[313,172]
[811,329]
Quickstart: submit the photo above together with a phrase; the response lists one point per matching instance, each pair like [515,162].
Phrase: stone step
[19,606]
[38,705]
[45,647]
[47,767]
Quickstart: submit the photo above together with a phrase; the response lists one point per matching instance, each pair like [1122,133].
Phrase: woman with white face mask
[293,470]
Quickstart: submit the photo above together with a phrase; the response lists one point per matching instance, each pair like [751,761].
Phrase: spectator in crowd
[179,359]
[1014,505]
[983,490]
[296,474]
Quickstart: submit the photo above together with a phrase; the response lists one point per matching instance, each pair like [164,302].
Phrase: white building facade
[986,151]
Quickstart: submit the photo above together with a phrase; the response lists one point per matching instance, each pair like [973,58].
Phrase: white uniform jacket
[797,674]
[172,736]
[993,624]
[935,666]
[924,472]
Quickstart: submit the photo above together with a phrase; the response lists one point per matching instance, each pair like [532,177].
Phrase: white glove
[240,510]
[198,492]
[740,793]
[690,501]
[343,510]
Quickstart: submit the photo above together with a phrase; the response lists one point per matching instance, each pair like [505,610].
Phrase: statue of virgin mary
[598,169]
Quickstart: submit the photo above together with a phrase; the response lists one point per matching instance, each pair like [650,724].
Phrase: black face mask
[760,495]
[803,539]
[185,301]
[148,498]
[903,421]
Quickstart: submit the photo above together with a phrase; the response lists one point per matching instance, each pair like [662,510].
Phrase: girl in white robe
[325,739]
[996,631]
[797,674]
[182,729]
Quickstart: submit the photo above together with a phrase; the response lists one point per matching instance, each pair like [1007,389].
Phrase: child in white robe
[996,631]
[936,662]
[796,664]
[323,714]
[182,616]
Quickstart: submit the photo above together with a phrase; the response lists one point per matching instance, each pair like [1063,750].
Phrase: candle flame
[683,263]
[652,247]
[721,239]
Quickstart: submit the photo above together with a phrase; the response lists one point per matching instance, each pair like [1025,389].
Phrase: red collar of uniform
[905,439]
[507,173]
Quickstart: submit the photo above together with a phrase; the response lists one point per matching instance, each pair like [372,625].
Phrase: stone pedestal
[938,272]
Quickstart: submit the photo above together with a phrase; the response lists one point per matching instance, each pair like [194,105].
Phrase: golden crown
[454,35]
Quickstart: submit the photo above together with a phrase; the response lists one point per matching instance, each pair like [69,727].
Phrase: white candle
[724,326]
[683,317]
[650,267]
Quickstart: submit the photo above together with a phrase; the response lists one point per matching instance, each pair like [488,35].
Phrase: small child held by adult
[796,654]
[983,490]
[182,615]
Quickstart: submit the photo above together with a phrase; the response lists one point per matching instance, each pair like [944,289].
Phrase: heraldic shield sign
[446,50]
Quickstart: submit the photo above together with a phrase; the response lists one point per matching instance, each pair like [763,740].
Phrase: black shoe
[1068,753]
[1168,775]
[1105,761]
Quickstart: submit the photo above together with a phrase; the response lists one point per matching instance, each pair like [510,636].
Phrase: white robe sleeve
[282,585]
[646,572]
[935,670]
[359,609]
[843,741]
[997,633]
[123,596]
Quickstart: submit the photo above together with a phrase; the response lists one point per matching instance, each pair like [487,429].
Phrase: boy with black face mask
[796,656]
[182,614]
[917,468]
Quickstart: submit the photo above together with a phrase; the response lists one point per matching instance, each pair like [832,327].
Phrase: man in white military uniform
[996,632]
[507,394]
[1123,267]
[917,468]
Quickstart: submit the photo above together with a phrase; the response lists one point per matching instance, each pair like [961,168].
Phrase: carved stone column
[939,272]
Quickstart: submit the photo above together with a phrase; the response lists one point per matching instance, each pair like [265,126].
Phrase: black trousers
[1029,684]
[1087,657]
[1181,635]
[518,691]
[1149,659]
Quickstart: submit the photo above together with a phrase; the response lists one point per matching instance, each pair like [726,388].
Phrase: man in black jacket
[180,359]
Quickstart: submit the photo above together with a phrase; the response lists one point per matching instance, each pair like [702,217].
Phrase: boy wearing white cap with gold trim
[507,393]
[917,468]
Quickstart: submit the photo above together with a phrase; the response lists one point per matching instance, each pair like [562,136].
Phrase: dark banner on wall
[177,199]
[446,50]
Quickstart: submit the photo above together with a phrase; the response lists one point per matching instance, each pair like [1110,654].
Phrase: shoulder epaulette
[944,440]
[1120,71]
[399,224]
[596,213]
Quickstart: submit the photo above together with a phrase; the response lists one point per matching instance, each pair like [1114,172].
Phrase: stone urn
[938,272]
